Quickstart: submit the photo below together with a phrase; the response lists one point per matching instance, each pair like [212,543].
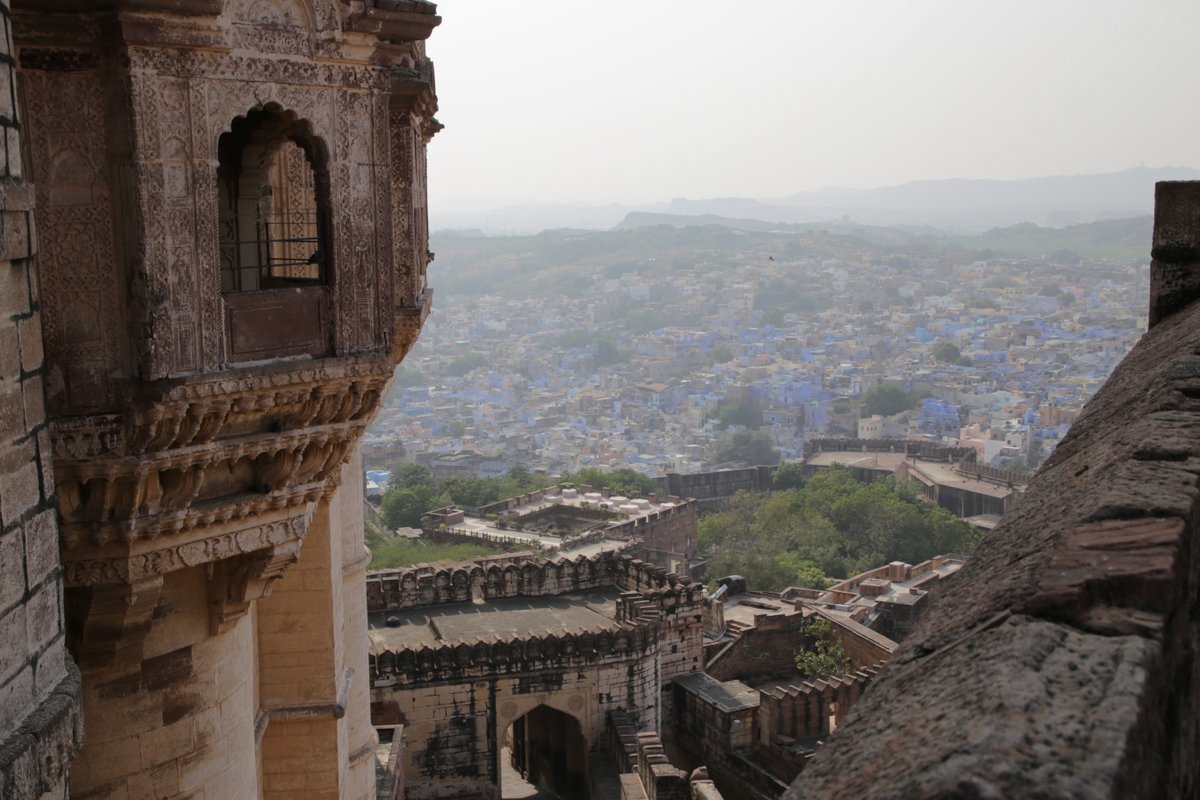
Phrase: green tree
[621,480]
[410,475]
[748,413]
[946,352]
[885,399]
[833,527]
[823,657]
[720,354]
[753,447]
[463,364]
[773,316]
[403,506]
[607,354]
[790,475]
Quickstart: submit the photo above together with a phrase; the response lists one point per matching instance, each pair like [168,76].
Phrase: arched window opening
[273,213]
[273,210]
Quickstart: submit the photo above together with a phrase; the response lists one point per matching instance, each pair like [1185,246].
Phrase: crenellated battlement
[416,587]
[463,661]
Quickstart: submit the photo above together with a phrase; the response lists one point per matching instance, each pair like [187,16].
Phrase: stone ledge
[35,759]
[1060,661]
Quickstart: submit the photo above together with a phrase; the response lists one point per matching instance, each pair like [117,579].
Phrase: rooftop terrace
[505,617]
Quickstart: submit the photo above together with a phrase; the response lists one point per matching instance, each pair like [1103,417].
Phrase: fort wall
[40,724]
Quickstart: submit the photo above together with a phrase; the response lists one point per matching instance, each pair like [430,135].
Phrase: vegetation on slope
[830,528]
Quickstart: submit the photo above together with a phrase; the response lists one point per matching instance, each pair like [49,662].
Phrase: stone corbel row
[105,500]
[133,567]
[200,413]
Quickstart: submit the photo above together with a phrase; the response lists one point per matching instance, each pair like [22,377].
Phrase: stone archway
[548,749]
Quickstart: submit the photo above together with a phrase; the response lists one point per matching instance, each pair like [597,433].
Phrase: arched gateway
[538,666]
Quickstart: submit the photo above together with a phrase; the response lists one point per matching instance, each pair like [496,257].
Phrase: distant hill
[567,261]
[961,205]
[956,206]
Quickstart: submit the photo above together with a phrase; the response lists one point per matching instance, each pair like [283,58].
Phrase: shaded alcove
[547,750]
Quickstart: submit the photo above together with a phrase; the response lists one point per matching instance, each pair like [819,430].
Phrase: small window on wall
[272,204]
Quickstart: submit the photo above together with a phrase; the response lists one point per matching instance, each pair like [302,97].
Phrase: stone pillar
[40,725]
[1175,268]
[312,645]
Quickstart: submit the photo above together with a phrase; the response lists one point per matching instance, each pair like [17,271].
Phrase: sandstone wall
[453,726]
[718,484]
[40,726]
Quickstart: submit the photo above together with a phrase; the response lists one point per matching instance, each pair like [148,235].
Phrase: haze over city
[608,103]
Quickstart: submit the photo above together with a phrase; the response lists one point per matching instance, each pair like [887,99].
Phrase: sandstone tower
[229,261]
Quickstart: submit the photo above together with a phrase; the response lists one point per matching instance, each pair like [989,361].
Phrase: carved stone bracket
[395,19]
[235,583]
[409,320]
[108,624]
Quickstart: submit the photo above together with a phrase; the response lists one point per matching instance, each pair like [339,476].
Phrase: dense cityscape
[653,358]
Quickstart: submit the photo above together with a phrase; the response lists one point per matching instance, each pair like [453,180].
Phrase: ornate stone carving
[131,114]
[97,566]
[234,583]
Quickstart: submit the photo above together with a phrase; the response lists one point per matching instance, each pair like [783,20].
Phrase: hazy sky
[596,102]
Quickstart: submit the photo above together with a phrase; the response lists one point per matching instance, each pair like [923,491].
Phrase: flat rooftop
[621,510]
[888,462]
[725,695]
[946,475]
[744,607]
[505,617]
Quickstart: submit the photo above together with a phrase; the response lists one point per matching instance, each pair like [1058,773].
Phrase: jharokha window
[276,274]
[271,205]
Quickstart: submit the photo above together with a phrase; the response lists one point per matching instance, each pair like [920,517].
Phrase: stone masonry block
[41,547]
[16,698]
[10,354]
[12,568]
[35,402]
[1175,270]
[18,767]
[1177,217]
[29,333]
[47,470]
[20,491]
[14,290]
[12,142]
[160,745]
[43,620]
[12,659]
[12,414]
[53,725]
[14,235]
[51,667]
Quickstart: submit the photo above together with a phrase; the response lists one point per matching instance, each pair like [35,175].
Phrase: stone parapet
[480,660]
[1061,661]
[928,451]
[416,587]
